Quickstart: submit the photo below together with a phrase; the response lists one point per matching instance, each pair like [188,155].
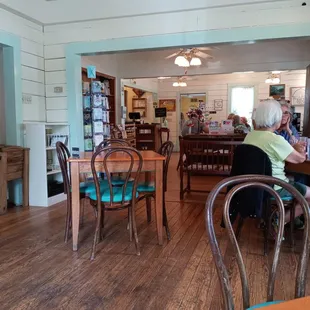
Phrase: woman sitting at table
[238,125]
[287,130]
[193,125]
[268,118]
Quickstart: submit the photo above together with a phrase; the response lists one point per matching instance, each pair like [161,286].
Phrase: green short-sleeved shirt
[275,146]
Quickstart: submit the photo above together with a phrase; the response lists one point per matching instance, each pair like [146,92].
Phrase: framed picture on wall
[169,104]
[277,91]
[297,96]
[218,104]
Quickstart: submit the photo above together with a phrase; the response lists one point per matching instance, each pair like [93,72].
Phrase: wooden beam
[306,127]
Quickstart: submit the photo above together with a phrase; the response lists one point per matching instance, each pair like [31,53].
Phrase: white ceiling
[60,11]
[258,57]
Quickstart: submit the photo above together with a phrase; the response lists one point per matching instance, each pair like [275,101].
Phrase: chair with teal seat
[148,189]
[117,180]
[85,188]
[115,198]
[237,184]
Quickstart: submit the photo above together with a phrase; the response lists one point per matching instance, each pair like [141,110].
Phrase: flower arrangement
[195,113]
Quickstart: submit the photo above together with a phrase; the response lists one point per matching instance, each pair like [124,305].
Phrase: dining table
[116,163]
[302,168]
[295,304]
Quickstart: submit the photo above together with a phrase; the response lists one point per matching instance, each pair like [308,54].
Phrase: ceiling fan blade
[203,55]
[208,48]
[172,55]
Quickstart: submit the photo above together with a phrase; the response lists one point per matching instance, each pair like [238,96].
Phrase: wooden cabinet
[14,164]
[139,105]
[147,137]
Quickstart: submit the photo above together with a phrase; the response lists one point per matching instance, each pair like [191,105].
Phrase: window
[242,101]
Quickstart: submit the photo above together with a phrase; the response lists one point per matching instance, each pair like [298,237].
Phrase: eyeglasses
[286,113]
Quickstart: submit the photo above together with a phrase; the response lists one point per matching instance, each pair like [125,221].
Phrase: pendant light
[175,84]
[180,59]
[182,84]
[184,63]
[195,61]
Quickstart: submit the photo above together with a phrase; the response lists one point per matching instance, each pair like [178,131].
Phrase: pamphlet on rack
[227,127]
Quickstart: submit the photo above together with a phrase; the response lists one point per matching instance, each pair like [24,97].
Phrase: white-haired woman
[268,117]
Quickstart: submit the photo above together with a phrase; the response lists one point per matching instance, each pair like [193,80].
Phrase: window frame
[231,86]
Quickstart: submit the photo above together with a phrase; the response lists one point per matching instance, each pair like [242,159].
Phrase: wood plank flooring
[39,271]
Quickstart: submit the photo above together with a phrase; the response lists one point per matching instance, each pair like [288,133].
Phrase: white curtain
[242,101]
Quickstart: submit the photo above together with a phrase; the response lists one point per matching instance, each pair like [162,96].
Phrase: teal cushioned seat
[117,194]
[89,187]
[146,187]
[265,304]
[118,181]
[285,198]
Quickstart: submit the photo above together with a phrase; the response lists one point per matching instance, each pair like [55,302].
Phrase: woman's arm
[296,157]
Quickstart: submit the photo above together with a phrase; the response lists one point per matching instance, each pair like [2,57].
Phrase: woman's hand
[300,147]
[287,126]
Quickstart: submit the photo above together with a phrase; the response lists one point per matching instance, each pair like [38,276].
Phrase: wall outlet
[58,89]
[26,99]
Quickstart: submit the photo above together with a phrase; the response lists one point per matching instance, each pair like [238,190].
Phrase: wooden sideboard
[14,164]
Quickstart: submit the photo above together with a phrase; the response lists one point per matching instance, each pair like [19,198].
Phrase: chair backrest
[133,160]
[209,156]
[113,142]
[264,182]
[63,154]
[164,130]
[166,150]
[249,159]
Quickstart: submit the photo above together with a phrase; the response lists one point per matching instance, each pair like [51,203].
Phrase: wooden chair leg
[165,220]
[130,223]
[134,228]
[68,219]
[97,231]
[149,209]
[82,211]
[102,223]
[292,218]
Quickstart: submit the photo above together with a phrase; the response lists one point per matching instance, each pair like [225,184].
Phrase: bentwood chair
[114,198]
[148,189]
[162,131]
[237,184]
[113,142]
[117,180]
[85,188]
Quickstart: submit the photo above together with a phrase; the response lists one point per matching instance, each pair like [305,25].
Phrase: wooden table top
[117,157]
[303,168]
[298,304]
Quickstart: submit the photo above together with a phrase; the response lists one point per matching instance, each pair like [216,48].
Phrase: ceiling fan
[190,57]
[181,81]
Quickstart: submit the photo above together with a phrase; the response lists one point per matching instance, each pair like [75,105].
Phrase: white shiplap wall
[192,19]
[32,60]
[217,87]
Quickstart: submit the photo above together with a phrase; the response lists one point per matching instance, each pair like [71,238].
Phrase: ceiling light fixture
[276,72]
[195,61]
[179,60]
[175,84]
[183,63]
[182,84]
[163,77]
[273,79]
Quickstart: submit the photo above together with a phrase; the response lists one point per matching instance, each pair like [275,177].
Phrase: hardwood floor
[39,271]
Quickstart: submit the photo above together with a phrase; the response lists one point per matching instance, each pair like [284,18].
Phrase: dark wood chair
[113,142]
[239,183]
[85,188]
[116,198]
[163,131]
[148,189]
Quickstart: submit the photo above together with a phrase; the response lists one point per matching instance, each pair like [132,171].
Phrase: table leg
[148,199]
[75,185]
[159,200]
